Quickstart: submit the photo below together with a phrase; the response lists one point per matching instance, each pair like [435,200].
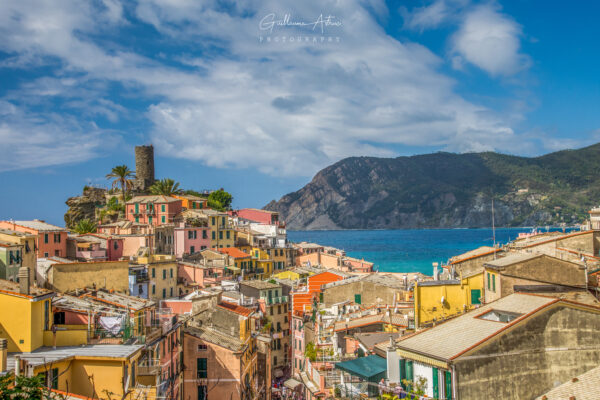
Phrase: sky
[257,96]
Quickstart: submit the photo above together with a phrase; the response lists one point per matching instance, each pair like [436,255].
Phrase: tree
[220,200]
[22,387]
[122,176]
[311,351]
[85,226]
[165,187]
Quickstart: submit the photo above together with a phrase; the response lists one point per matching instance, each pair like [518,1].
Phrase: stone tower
[144,167]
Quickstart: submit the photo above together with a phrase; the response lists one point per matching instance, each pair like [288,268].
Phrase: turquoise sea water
[407,250]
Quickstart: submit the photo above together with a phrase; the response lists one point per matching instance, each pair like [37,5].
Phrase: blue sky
[229,102]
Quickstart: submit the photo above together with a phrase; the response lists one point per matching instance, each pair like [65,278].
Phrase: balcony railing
[276,300]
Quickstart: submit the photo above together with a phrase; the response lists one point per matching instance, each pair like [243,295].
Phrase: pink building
[93,246]
[152,210]
[190,240]
[132,243]
[298,345]
[51,239]
[260,216]
[124,228]
[200,276]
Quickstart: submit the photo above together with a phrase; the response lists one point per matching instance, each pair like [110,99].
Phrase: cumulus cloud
[489,40]
[284,108]
[426,17]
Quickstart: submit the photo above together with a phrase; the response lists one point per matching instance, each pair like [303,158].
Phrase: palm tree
[165,187]
[85,226]
[122,176]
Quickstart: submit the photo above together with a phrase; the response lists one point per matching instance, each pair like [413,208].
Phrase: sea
[408,250]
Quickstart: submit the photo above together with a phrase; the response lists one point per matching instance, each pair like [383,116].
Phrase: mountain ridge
[447,190]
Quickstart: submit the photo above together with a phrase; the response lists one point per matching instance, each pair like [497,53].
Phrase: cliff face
[445,190]
[84,206]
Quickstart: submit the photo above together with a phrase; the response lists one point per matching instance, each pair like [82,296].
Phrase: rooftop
[4,243]
[47,355]
[583,387]
[370,339]
[153,199]
[214,336]
[478,252]
[439,283]
[511,259]
[15,233]
[260,285]
[450,339]
[234,252]
[119,300]
[12,288]
[246,312]
[39,225]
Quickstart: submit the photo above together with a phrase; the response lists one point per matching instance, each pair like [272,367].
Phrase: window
[201,392]
[357,298]
[171,292]
[153,289]
[202,368]
[154,272]
[227,234]
[499,316]
[163,219]
[46,254]
[278,327]
[222,221]
[164,293]
[274,360]
[46,315]
[164,274]
[137,208]
[137,219]
[162,208]
[194,205]
[27,248]
[192,249]
[202,347]
[57,253]
[45,238]
[115,245]
[171,272]
[220,234]
[493,283]
[271,310]
[54,378]
[212,221]
[204,234]
[150,219]
[57,238]
[213,235]
[475,295]
[59,318]
[279,310]
[489,281]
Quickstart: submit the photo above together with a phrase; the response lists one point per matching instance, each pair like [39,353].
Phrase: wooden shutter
[448,385]
[435,383]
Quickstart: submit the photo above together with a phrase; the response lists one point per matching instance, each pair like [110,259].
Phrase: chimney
[3,352]
[23,280]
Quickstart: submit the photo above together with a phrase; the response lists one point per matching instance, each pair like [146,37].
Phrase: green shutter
[489,280]
[137,208]
[402,371]
[493,283]
[409,370]
[448,385]
[357,299]
[435,383]
[475,295]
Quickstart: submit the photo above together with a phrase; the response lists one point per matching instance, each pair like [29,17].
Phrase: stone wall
[532,358]
[110,275]
[369,291]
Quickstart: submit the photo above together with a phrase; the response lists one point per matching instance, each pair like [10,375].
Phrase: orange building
[192,202]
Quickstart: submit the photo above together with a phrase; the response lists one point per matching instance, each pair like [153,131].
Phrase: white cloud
[282,108]
[426,17]
[490,40]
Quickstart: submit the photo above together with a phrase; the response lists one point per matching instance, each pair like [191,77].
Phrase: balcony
[276,300]
[149,368]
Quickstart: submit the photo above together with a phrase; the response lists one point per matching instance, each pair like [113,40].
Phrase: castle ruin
[144,167]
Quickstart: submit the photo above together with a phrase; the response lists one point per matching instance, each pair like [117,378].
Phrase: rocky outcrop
[84,206]
[446,190]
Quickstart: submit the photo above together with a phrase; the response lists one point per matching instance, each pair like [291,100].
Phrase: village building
[153,210]
[51,239]
[17,249]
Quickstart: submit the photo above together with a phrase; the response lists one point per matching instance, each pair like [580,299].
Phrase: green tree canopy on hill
[220,200]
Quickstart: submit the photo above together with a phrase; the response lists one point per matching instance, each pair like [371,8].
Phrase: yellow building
[263,262]
[438,300]
[109,275]
[25,313]
[162,273]
[222,233]
[279,257]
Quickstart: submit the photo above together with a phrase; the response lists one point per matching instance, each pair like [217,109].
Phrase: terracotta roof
[246,312]
[260,285]
[478,252]
[234,252]
[39,225]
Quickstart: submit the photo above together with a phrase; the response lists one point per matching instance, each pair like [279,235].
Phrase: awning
[278,373]
[371,368]
[234,269]
[292,383]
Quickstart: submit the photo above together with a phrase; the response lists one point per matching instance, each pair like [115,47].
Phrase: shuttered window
[435,383]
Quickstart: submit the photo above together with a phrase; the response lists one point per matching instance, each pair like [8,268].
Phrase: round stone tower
[144,167]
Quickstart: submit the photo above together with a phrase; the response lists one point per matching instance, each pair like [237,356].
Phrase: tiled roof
[153,199]
[234,252]
[216,337]
[260,285]
[4,243]
[511,259]
[583,387]
[12,288]
[39,225]
[400,320]
[16,233]
[451,338]
[119,300]
[478,252]
[246,312]
[370,339]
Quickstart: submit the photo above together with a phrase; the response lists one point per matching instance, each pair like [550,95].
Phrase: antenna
[493,228]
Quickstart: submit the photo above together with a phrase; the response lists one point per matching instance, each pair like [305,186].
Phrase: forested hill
[447,190]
